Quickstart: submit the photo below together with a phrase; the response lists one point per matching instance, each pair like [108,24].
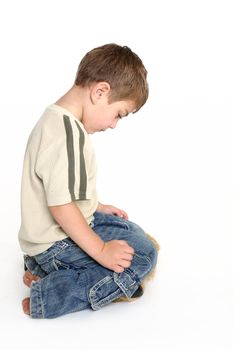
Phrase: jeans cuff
[36,304]
[104,292]
[127,281]
[113,287]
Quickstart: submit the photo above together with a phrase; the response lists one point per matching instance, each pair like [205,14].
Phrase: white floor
[187,306]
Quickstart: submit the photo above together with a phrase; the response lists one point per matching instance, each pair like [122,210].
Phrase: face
[101,115]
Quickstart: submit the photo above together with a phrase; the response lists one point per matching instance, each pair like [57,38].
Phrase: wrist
[98,255]
[97,249]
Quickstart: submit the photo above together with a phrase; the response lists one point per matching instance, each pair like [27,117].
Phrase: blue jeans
[72,281]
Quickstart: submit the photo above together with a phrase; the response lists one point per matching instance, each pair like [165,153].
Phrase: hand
[110,209]
[116,255]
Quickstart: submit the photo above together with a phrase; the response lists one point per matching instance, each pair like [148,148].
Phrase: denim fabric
[72,281]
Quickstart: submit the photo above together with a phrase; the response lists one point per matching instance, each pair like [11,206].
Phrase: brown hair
[120,67]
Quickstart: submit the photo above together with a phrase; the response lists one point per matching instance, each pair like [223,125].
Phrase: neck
[72,101]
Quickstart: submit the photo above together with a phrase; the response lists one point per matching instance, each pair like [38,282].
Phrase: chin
[94,131]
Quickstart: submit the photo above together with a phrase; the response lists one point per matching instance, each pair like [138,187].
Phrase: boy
[80,253]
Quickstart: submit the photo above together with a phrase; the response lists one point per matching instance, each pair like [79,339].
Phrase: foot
[28,278]
[26,306]
[138,293]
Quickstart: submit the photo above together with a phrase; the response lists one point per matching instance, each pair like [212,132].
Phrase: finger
[124,215]
[118,269]
[125,263]
[128,257]
[118,212]
[129,250]
[122,242]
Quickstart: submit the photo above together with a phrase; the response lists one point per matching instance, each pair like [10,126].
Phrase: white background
[170,166]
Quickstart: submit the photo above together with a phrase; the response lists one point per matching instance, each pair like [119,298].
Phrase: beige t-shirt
[59,167]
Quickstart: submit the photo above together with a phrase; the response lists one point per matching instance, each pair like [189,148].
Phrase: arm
[115,255]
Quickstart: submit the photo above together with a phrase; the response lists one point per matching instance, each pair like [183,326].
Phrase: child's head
[121,68]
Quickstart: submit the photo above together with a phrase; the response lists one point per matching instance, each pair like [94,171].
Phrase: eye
[119,116]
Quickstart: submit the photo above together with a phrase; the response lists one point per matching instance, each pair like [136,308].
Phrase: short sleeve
[62,166]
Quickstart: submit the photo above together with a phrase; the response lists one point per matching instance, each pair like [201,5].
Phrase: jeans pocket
[60,265]
[49,266]
[55,264]
[104,292]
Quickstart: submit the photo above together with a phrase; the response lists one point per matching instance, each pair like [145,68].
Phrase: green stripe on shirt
[82,165]
[70,154]
[71,160]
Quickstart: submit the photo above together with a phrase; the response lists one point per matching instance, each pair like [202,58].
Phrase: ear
[99,91]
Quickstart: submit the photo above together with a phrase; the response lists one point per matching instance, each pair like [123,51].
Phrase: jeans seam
[144,256]
[148,260]
[65,246]
[39,302]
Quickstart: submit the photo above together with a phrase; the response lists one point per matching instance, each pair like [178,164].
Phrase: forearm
[70,218]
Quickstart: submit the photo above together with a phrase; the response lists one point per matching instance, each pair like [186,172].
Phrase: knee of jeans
[148,254]
[153,258]
[153,253]
[141,265]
